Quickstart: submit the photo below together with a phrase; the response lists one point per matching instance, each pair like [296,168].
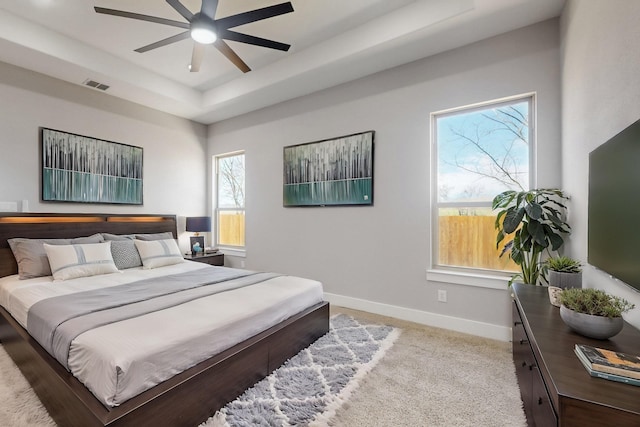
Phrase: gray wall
[600,92]
[375,258]
[175,163]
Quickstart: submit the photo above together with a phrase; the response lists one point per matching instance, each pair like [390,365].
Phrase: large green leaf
[558,224]
[512,220]
[524,239]
[536,230]
[503,199]
[498,223]
[521,198]
[499,238]
[516,255]
[507,247]
[534,210]
[556,241]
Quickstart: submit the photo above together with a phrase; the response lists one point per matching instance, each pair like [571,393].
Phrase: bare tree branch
[231,172]
[500,166]
[504,172]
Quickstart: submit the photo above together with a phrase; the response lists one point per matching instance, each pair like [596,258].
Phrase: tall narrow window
[479,152]
[230,200]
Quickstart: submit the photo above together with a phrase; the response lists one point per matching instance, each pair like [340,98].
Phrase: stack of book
[610,365]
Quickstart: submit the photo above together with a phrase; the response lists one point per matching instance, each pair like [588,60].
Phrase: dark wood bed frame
[187,399]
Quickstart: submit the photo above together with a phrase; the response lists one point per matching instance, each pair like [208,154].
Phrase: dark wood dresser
[555,387]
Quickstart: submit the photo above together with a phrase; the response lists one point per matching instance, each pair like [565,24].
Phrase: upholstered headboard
[58,226]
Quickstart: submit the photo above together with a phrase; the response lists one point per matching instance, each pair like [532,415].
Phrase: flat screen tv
[614,206]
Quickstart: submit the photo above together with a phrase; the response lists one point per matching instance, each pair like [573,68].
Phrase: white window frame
[488,278]
[227,249]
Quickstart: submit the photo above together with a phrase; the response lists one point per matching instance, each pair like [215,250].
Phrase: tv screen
[614,206]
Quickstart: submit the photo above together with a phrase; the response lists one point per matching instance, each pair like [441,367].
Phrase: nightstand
[211,259]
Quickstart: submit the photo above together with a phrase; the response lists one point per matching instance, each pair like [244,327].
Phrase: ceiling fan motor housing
[203,29]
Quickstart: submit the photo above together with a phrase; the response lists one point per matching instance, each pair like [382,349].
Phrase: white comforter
[123,359]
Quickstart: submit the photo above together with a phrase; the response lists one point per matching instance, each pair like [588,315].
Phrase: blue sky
[466,141]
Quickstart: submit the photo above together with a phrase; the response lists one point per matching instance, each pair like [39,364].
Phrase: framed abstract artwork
[331,172]
[82,169]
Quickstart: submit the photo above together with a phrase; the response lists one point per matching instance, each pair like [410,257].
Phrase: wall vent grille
[95,84]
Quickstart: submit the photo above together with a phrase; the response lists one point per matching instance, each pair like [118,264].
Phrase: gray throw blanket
[55,322]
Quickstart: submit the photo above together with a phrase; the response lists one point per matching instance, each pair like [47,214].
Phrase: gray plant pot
[597,327]
[565,280]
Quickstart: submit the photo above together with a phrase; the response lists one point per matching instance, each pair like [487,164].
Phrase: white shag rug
[310,387]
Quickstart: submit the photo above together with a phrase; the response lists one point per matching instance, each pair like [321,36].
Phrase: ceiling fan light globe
[203,35]
[203,29]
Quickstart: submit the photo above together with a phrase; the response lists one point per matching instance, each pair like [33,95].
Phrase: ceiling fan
[205,29]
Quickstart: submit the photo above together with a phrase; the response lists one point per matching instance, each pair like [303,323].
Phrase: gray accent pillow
[155,236]
[115,237]
[31,257]
[125,255]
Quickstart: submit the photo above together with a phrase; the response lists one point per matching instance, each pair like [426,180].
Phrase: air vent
[95,84]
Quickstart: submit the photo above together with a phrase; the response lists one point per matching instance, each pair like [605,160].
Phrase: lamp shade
[198,223]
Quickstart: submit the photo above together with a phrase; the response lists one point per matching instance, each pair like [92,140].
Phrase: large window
[478,152]
[229,169]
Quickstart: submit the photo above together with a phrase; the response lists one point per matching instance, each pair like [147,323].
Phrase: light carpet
[436,378]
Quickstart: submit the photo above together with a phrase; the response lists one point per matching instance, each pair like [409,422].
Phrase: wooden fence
[231,228]
[471,241]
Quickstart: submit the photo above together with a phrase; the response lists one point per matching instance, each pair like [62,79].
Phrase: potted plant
[592,312]
[562,272]
[532,222]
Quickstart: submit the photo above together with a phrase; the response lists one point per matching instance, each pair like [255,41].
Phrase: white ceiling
[333,41]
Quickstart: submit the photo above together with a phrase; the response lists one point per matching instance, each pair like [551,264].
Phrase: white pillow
[158,253]
[72,261]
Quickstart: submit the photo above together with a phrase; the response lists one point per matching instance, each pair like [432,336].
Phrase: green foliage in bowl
[564,264]
[594,301]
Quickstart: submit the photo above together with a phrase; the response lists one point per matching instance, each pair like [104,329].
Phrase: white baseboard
[486,330]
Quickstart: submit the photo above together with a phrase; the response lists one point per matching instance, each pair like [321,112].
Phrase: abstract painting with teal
[81,169]
[331,172]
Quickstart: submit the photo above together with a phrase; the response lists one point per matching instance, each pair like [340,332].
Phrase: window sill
[241,253]
[469,279]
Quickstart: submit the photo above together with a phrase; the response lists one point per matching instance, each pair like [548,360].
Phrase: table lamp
[198,224]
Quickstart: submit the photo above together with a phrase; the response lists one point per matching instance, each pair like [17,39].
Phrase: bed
[187,398]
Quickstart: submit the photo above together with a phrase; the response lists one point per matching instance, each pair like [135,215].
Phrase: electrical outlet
[442,295]
[242,264]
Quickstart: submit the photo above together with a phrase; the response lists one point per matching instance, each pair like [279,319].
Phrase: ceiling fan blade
[258,41]
[168,40]
[209,8]
[140,17]
[231,55]
[181,9]
[196,57]
[254,15]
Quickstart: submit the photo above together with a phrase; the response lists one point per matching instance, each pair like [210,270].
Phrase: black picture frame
[196,239]
[330,172]
[82,169]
